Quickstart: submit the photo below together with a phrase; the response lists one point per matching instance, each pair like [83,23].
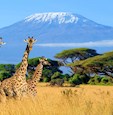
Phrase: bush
[75,79]
[91,81]
[106,80]
[66,77]
[58,82]
[94,80]
[52,82]
[46,79]
[4,75]
[46,75]
[84,78]
[56,75]
[7,67]
[6,71]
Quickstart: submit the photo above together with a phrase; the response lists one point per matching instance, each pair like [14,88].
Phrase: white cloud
[103,43]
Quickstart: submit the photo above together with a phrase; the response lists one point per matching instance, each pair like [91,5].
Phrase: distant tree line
[86,65]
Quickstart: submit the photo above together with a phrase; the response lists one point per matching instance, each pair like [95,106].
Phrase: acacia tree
[72,55]
[101,64]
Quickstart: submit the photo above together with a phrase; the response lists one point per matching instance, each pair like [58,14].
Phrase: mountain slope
[59,27]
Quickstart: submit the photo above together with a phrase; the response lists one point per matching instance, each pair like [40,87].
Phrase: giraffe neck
[38,73]
[23,67]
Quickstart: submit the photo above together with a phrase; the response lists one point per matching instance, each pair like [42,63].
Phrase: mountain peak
[60,17]
[56,29]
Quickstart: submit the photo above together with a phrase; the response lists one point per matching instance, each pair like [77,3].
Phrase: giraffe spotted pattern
[16,85]
[31,83]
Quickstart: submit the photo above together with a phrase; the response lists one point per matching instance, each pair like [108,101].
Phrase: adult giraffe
[16,86]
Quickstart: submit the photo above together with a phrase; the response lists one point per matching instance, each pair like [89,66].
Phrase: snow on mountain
[60,17]
[53,27]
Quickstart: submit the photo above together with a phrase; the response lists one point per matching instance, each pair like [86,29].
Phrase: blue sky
[100,11]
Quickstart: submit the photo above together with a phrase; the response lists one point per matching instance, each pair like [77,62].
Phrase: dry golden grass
[83,100]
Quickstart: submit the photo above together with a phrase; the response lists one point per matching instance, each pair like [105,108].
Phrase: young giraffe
[16,85]
[32,90]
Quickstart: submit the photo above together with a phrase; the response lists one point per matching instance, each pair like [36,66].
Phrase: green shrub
[56,75]
[66,77]
[106,80]
[58,82]
[52,82]
[75,79]
[84,78]
[46,79]
[46,75]
[91,81]
[6,71]
[95,80]
[4,75]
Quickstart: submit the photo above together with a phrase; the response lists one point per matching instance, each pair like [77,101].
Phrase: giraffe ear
[4,43]
[35,40]
[25,40]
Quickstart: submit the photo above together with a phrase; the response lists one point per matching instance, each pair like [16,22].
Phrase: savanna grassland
[81,100]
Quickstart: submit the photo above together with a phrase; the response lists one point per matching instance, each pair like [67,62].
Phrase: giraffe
[31,83]
[1,42]
[16,85]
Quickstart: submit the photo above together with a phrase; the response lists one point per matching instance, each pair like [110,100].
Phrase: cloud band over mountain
[103,43]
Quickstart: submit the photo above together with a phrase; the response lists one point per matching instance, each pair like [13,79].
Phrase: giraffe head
[1,42]
[44,61]
[30,41]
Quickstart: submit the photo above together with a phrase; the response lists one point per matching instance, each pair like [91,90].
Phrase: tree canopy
[76,54]
[98,64]
[71,55]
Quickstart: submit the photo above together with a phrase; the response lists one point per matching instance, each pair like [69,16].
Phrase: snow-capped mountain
[53,27]
[58,17]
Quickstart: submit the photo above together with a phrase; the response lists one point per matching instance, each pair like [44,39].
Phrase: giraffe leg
[2,96]
[35,92]
[17,94]
[24,91]
[10,93]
